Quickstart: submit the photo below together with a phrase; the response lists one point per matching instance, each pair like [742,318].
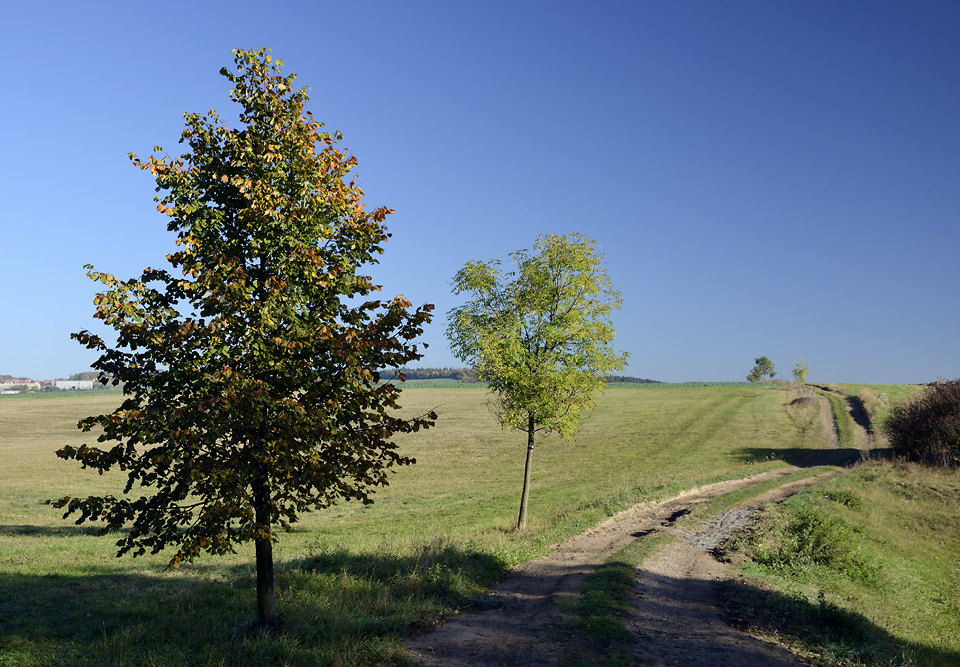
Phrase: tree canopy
[539,334]
[763,367]
[249,366]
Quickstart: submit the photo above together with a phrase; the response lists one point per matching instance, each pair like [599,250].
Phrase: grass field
[352,580]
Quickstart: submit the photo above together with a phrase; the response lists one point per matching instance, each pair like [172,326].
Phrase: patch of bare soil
[675,617]
[828,425]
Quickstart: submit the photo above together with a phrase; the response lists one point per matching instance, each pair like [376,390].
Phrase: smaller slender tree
[539,335]
[800,371]
[764,367]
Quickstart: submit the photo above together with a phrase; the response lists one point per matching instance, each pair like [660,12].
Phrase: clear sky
[765,178]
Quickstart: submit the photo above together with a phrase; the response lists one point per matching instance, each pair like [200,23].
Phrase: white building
[74,384]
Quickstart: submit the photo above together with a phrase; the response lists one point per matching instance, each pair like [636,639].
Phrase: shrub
[927,428]
[807,537]
[844,497]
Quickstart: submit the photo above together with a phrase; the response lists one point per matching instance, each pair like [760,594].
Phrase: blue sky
[764,178]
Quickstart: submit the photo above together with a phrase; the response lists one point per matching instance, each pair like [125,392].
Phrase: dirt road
[675,615]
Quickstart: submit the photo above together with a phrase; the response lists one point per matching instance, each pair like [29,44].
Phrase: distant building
[74,384]
[16,386]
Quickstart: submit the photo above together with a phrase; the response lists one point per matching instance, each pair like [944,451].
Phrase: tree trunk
[522,519]
[265,598]
[266,610]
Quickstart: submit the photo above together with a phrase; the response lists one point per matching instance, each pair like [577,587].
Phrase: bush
[927,428]
[807,537]
[845,497]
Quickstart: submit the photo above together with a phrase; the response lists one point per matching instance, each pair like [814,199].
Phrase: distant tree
[800,371]
[459,374]
[251,381]
[539,335]
[764,367]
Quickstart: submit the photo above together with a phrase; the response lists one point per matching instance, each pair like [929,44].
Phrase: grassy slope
[352,579]
[862,569]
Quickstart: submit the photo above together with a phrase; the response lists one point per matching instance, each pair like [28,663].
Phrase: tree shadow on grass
[50,619]
[675,622]
[335,608]
[822,627]
[405,592]
[859,413]
[26,530]
[802,457]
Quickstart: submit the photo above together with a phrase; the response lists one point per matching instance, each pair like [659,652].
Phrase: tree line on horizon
[469,375]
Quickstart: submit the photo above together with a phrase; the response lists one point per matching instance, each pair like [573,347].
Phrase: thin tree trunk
[522,519]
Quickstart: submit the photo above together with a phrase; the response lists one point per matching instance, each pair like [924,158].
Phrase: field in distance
[353,579]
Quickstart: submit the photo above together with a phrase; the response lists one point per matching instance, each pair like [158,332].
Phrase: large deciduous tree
[540,336]
[249,368]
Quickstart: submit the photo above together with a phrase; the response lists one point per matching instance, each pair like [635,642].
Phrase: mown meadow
[355,579]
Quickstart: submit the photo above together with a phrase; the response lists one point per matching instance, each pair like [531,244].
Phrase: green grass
[862,569]
[352,580]
[635,446]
